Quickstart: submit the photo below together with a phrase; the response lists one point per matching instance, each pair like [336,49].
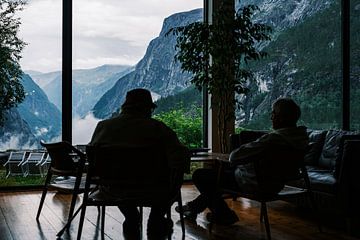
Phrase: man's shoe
[159,228]
[226,219]
[187,211]
[131,229]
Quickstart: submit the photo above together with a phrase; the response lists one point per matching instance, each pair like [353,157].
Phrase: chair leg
[67,225]
[141,221]
[74,196]
[315,209]
[81,222]
[43,195]
[103,222]
[266,220]
[181,213]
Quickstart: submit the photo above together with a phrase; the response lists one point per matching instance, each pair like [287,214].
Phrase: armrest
[340,153]
[245,136]
[349,184]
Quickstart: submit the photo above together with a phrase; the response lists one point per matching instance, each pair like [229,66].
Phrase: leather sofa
[333,164]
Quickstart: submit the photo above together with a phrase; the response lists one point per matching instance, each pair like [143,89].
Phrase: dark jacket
[269,160]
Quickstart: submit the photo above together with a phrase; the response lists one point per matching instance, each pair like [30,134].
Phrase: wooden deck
[18,211]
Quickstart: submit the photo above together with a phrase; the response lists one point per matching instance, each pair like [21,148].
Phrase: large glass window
[121,45]
[355,64]
[304,63]
[38,116]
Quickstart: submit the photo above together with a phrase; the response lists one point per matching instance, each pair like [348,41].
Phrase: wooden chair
[66,161]
[131,170]
[278,161]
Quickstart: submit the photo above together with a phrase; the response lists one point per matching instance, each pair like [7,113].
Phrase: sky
[104,31]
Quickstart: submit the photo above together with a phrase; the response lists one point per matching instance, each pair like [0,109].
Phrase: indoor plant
[217,55]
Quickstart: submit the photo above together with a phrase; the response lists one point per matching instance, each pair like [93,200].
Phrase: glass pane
[355,64]
[121,45]
[304,63]
[38,116]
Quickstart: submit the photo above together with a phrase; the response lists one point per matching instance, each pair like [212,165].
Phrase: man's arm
[177,154]
[248,152]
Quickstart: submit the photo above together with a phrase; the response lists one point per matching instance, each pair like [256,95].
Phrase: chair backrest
[62,156]
[278,166]
[128,167]
[17,156]
[35,157]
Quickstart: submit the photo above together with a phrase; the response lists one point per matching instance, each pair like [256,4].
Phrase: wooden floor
[18,210]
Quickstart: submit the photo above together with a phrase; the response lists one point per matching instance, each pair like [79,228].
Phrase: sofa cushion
[322,180]
[329,153]
[316,143]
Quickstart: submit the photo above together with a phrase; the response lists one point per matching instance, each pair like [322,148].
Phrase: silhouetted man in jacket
[135,127]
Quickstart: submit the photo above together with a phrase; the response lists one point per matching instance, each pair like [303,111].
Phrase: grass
[19,180]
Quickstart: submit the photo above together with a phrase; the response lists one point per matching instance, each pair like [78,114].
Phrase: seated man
[135,127]
[242,177]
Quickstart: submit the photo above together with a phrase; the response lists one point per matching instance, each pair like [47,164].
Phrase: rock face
[304,63]
[156,71]
[16,133]
[43,118]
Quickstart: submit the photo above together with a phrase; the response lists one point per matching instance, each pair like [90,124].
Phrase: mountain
[42,79]
[43,118]
[16,133]
[283,14]
[88,85]
[156,71]
[305,63]
[34,119]
[186,99]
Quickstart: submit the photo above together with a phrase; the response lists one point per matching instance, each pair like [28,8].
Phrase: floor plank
[18,211]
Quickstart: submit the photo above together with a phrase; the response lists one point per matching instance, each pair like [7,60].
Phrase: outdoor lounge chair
[14,165]
[32,163]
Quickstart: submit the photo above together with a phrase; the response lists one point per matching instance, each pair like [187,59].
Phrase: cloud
[14,143]
[112,30]
[83,128]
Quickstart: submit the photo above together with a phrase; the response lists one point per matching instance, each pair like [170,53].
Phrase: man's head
[139,100]
[285,113]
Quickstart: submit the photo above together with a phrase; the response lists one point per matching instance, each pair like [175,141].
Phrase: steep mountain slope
[43,118]
[305,63]
[156,71]
[16,133]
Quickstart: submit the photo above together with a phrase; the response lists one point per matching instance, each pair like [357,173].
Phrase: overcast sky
[104,32]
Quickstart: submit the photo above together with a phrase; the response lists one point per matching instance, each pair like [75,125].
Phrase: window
[38,116]
[123,45]
[354,65]
[304,63]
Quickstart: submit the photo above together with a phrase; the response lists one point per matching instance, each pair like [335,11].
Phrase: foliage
[230,43]
[11,90]
[185,99]
[187,125]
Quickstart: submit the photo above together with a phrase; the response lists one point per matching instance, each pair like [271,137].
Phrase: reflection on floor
[18,211]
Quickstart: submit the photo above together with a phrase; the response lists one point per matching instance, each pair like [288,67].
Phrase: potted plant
[217,55]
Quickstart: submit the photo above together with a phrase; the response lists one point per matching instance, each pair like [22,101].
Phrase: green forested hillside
[305,63]
[186,99]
